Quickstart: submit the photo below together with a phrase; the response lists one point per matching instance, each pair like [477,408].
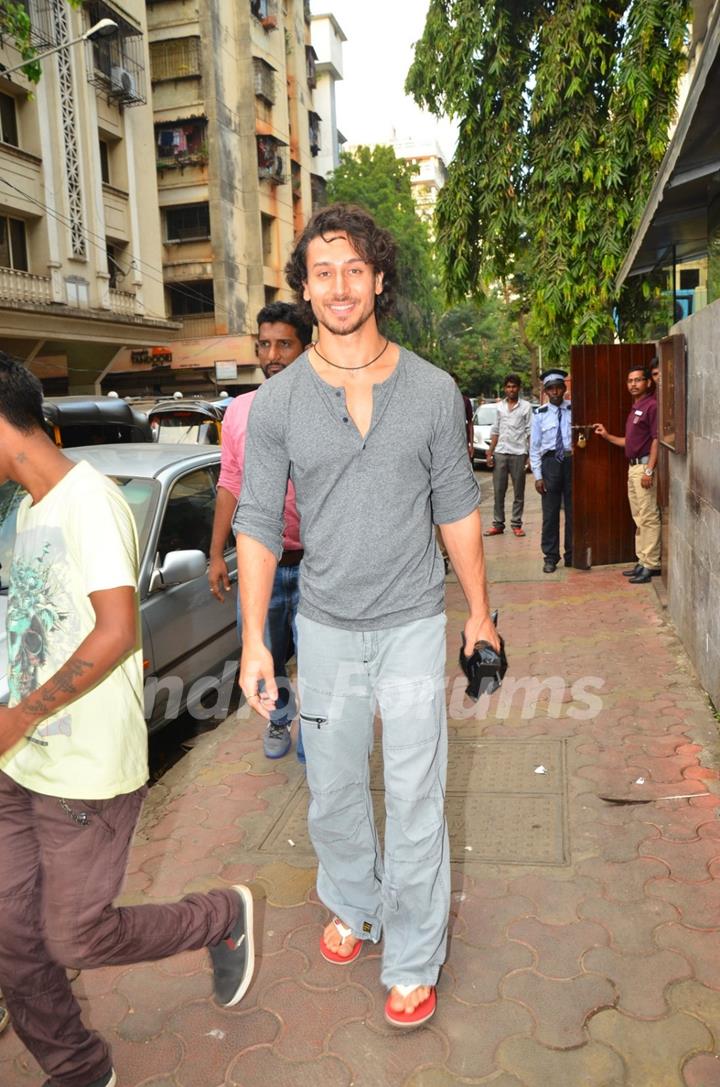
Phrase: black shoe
[643,575]
[108,1080]
[233,959]
[655,572]
[634,572]
[549,567]
[568,561]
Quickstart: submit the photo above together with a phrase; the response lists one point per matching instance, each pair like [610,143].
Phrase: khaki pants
[646,515]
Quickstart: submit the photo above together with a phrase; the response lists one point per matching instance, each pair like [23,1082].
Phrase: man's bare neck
[38,465]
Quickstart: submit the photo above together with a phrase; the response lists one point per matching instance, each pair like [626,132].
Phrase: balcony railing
[122,302]
[197,324]
[18,286]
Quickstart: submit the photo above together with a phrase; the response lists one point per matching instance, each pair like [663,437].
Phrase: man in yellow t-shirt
[73,757]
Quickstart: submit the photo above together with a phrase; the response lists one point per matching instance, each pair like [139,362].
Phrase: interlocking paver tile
[279,922]
[700,948]
[388,1057]
[558,948]
[560,1007]
[653,1052]
[611,842]
[440,1077]
[534,1065]
[555,901]
[480,970]
[698,1000]
[285,884]
[175,879]
[640,980]
[138,1061]
[486,919]
[310,1015]
[702,1071]
[152,996]
[325,975]
[473,1033]
[626,881]
[260,1067]
[213,1037]
[697,903]
[686,860]
[630,930]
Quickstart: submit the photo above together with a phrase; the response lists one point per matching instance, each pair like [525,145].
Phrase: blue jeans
[279,632]
[343,677]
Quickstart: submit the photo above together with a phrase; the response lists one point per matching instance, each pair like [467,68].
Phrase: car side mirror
[178,568]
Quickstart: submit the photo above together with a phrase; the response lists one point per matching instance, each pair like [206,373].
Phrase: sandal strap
[342,929]
[405,990]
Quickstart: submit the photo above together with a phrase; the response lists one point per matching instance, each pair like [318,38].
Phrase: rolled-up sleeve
[535,447]
[455,493]
[259,512]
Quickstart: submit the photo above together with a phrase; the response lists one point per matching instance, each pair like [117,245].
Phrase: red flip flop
[332,956]
[517,531]
[422,1013]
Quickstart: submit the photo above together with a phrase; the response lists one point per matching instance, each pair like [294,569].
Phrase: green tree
[563,108]
[378,181]
[16,30]
[479,342]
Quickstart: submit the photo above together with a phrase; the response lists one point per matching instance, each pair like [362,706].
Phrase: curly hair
[20,395]
[287,314]
[373,243]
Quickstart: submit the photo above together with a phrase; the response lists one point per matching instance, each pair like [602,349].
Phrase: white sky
[371,102]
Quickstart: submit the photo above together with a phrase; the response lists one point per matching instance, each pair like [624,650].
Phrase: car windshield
[185,428]
[485,415]
[140,495]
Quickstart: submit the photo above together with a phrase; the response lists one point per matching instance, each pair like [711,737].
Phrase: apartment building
[327,37]
[235,149]
[80,245]
[430,177]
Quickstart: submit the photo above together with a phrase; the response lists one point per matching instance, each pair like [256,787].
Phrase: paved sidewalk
[585,943]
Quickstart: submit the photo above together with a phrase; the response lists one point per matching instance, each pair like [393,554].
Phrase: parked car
[483,419]
[94,420]
[189,638]
[183,421]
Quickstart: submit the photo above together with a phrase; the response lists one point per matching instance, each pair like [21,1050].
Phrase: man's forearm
[93,659]
[256,573]
[614,440]
[652,460]
[463,540]
[224,508]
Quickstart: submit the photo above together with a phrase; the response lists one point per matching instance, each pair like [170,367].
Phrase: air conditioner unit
[122,82]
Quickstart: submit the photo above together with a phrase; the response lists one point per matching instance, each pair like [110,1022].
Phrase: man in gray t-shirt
[373,439]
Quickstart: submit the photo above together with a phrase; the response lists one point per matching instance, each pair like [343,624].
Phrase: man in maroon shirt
[641,446]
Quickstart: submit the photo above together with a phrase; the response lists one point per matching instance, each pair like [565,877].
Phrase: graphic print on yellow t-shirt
[79,539]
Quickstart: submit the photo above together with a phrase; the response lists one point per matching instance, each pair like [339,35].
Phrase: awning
[675,222]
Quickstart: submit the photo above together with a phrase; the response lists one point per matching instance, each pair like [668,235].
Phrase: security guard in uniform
[550,460]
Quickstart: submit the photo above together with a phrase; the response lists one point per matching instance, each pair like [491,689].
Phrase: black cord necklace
[364,365]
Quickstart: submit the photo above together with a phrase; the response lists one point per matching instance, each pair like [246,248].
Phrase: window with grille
[188,222]
[176,58]
[13,247]
[264,80]
[8,121]
[104,162]
[196,296]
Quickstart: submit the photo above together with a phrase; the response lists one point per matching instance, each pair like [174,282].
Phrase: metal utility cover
[499,809]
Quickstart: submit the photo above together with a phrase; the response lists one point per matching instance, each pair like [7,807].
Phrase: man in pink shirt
[283,335]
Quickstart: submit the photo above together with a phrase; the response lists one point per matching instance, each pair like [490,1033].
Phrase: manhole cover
[499,809]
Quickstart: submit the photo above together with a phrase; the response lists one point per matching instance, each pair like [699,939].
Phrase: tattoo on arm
[62,683]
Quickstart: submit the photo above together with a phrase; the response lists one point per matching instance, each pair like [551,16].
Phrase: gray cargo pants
[343,677]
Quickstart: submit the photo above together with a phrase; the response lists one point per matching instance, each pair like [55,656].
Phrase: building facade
[327,39]
[80,250]
[235,151]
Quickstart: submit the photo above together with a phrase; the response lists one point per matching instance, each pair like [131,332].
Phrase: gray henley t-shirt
[367,505]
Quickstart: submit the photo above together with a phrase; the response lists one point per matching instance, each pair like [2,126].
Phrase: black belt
[640,460]
[291,558]
[551,453]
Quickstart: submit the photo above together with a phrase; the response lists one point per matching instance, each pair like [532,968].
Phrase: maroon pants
[58,878]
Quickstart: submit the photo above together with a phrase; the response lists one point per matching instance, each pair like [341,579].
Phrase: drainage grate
[498,809]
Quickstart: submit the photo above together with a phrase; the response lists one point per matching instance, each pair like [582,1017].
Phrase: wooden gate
[603,530]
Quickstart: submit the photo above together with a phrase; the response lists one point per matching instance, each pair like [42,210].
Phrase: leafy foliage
[15,29]
[380,182]
[563,108]
[479,343]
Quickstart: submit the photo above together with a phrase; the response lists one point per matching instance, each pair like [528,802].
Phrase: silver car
[190,646]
